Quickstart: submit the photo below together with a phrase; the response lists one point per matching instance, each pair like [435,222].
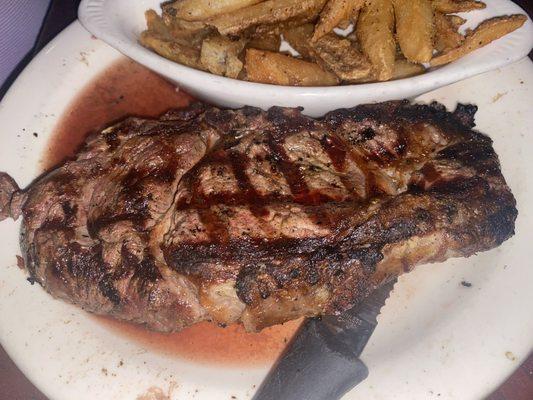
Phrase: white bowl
[119,23]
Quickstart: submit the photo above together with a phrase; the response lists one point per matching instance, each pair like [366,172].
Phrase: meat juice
[126,89]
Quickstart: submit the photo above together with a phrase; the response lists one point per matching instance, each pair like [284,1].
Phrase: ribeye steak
[258,217]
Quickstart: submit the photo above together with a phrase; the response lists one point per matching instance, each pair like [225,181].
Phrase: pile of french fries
[379,40]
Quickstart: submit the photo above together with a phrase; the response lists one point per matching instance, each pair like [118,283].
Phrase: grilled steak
[259,217]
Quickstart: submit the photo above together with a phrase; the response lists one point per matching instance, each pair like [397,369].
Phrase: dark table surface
[15,386]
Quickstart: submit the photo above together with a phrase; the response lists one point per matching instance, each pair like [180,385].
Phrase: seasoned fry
[186,33]
[485,33]
[198,10]
[456,20]
[375,35]
[160,38]
[414,29]
[405,69]
[172,50]
[340,56]
[344,24]
[181,26]
[455,6]
[446,35]
[270,42]
[353,20]
[279,69]
[156,25]
[300,39]
[402,69]
[279,27]
[334,12]
[220,56]
[267,12]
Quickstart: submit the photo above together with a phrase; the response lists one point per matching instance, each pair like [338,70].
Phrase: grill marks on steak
[259,217]
[297,170]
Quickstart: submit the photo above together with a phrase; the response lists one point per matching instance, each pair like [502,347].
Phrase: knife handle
[314,370]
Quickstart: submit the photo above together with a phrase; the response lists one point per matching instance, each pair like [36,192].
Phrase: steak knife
[322,360]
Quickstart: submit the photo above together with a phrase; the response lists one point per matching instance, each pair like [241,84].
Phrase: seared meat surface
[259,217]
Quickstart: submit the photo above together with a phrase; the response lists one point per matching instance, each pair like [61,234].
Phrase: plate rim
[34,66]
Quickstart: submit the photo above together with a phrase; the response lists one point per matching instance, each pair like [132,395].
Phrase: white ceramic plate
[119,23]
[436,338]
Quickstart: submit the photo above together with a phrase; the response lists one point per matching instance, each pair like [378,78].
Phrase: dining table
[15,386]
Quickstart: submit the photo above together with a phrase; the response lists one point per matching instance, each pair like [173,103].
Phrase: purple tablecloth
[20,22]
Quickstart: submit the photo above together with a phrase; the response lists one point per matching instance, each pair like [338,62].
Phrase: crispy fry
[333,13]
[180,25]
[198,10]
[340,56]
[344,24]
[184,32]
[300,39]
[172,50]
[268,12]
[160,38]
[402,69]
[270,42]
[414,29]
[220,55]
[375,35]
[446,35]
[405,69]
[455,6]
[280,69]
[156,25]
[187,35]
[167,13]
[456,20]
[278,28]
[485,33]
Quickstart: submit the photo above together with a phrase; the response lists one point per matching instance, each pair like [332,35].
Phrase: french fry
[172,50]
[456,20]
[270,42]
[334,12]
[402,69]
[344,24]
[405,69]
[485,33]
[220,56]
[414,29]
[455,6]
[161,39]
[187,33]
[375,36]
[446,35]
[198,10]
[156,25]
[340,56]
[172,22]
[268,12]
[299,38]
[353,20]
[278,28]
[279,69]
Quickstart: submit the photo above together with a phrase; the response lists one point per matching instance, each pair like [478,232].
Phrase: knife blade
[322,360]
